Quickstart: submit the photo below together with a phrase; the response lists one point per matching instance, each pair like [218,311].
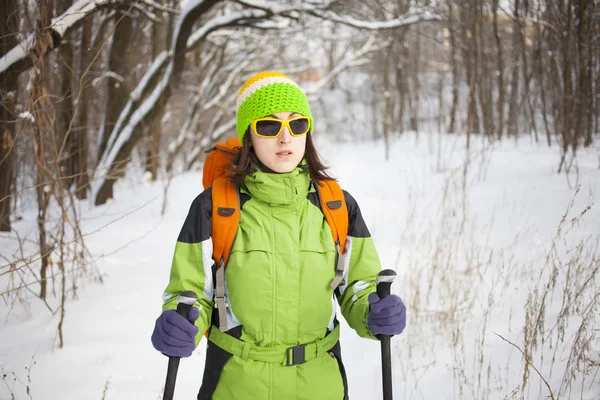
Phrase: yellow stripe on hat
[258,77]
[259,81]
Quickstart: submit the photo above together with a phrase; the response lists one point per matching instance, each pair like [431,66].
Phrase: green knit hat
[268,93]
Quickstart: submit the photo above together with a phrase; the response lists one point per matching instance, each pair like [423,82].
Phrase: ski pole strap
[220,303]
[339,268]
[287,356]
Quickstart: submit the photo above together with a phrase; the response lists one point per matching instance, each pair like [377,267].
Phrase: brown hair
[247,163]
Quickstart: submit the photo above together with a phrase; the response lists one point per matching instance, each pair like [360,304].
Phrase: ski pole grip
[384,282]
[185,301]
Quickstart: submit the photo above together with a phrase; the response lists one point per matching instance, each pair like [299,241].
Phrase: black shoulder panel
[198,224]
[244,197]
[313,197]
[356,223]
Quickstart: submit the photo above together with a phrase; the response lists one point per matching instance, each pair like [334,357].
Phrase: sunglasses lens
[267,128]
[299,126]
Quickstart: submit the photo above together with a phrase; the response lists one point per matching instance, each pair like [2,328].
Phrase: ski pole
[384,283]
[185,301]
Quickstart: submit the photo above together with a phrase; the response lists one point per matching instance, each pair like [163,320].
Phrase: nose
[285,136]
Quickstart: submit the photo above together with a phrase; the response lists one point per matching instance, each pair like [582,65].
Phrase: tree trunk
[414,120]
[42,125]
[455,70]
[585,83]
[527,75]
[9,26]
[590,91]
[513,111]
[484,82]
[119,83]
[470,56]
[387,99]
[159,43]
[63,105]
[539,62]
[123,155]
[500,67]
[81,128]
[567,90]
[401,81]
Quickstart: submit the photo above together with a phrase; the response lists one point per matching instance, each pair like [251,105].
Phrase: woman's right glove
[174,335]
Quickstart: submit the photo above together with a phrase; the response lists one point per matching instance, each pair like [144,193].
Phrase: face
[283,153]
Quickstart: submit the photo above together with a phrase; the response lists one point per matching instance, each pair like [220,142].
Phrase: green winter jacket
[277,289]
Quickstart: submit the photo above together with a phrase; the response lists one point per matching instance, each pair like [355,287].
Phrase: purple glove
[174,335]
[387,315]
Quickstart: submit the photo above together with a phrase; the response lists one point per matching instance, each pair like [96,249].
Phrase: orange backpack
[226,215]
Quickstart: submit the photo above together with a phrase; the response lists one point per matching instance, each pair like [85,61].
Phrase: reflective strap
[220,297]
[277,354]
[339,268]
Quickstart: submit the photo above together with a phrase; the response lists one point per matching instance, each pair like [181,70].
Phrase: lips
[284,153]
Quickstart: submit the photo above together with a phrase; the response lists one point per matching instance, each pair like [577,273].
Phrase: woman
[281,339]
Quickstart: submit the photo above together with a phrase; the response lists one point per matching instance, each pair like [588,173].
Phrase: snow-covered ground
[474,249]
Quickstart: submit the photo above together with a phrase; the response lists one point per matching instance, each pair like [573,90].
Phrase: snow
[468,255]
[27,115]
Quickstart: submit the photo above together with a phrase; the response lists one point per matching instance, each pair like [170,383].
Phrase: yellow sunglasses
[271,127]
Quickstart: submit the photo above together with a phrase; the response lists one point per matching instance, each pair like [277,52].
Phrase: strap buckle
[295,355]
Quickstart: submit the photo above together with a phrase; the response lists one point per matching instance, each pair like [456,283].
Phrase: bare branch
[529,363]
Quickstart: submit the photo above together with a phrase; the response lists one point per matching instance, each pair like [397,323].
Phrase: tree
[9,25]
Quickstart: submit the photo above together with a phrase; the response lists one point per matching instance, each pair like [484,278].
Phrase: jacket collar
[275,189]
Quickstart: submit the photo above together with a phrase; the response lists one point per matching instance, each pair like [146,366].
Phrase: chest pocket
[316,235]
[318,250]
[251,239]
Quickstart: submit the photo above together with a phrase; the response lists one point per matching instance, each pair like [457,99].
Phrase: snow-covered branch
[276,8]
[60,25]
[232,19]
[134,112]
[154,87]
[351,59]
[412,17]
[160,7]
[151,16]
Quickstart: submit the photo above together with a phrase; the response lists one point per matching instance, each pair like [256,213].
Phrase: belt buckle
[295,355]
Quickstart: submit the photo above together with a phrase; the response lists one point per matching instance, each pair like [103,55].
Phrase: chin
[282,168]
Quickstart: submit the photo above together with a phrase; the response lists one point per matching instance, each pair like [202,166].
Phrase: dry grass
[462,287]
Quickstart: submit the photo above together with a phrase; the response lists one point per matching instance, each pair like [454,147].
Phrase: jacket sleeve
[361,266]
[192,264]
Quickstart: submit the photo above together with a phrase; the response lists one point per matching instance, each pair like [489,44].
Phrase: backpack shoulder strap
[333,205]
[225,218]
[225,221]
[335,210]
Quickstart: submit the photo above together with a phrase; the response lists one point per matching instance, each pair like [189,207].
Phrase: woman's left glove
[387,315]
[174,335]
